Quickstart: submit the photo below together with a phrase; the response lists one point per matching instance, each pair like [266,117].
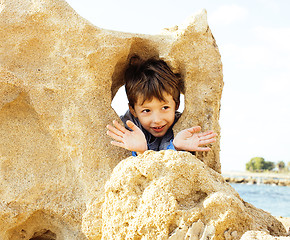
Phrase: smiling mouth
[158,129]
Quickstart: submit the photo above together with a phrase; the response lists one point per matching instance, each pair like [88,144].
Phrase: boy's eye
[145,110]
[165,107]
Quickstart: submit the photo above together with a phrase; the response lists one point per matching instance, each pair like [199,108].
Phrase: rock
[179,233]
[196,230]
[58,75]
[260,235]
[173,195]
[208,233]
[266,180]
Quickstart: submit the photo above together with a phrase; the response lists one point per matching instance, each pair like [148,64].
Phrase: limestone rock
[259,235]
[173,195]
[58,75]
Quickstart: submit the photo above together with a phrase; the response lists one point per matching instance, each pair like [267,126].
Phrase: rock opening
[120,102]
[44,234]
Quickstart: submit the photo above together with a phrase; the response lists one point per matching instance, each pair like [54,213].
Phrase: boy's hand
[131,140]
[191,140]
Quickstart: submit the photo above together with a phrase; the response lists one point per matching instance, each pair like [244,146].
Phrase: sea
[271,198]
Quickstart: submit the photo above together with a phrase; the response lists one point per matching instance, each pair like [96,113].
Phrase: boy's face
[155,116]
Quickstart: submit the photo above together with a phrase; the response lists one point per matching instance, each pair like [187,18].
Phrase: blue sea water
[271,198]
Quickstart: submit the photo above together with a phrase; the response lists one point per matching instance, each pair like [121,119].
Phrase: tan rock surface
[58,75]
[173,195]
[259,235]
[286,222]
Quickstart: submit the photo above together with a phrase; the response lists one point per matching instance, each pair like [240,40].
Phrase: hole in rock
[43,235]
[120,102]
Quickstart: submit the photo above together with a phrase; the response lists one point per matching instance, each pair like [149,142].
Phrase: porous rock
[260,235]
[173,195]
[58,75]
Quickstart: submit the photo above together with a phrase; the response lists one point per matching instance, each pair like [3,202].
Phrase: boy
[153,92]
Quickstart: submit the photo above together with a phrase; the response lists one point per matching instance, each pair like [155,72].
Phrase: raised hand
[191,139]
[131,140]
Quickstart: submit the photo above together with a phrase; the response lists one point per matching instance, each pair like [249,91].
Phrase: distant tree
[269,166]
[254,164]
[281,166]
[250,166]
[259,164]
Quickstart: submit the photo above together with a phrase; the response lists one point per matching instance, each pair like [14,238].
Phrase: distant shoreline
[257,174]
[279,179]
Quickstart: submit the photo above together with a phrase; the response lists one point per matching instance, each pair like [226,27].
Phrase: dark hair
[150,78]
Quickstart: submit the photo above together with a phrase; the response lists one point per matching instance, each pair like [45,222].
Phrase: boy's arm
[131,140]
[191,139]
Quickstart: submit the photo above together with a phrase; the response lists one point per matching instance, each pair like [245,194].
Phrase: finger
[119,126]
[115,130]
[131,125]
[203,149]
[118,144]
[115,136]
[207,132]
[207,135]
[205,142]
[194,129]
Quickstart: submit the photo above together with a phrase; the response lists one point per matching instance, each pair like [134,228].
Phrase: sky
[253,37]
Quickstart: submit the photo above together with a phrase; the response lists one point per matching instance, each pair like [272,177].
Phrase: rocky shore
[257,178]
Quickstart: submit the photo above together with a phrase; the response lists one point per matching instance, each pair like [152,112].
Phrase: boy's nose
[156,118]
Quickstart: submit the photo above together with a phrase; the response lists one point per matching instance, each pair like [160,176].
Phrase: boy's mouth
[158,129]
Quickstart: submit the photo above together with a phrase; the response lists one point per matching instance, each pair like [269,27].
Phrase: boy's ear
[132,111]
[177,106]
